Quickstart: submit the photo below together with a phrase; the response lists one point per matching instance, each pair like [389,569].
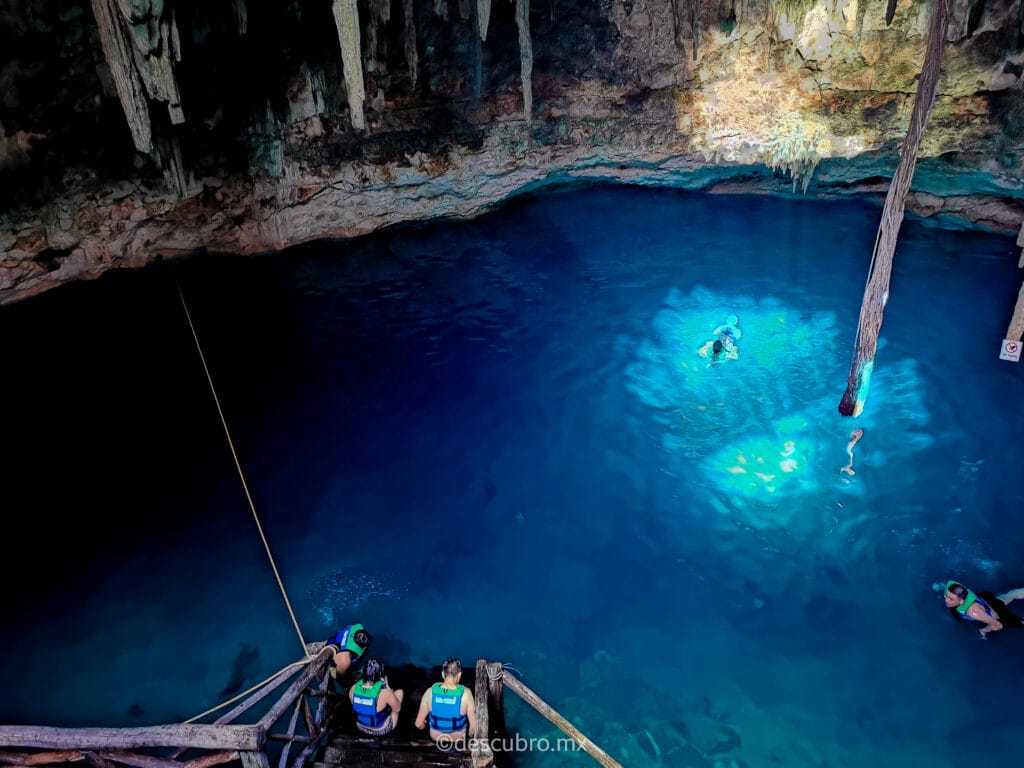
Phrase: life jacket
[971,599]
[346,641]
[445,706]
[364,702]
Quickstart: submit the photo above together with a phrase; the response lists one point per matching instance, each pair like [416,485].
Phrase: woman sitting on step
[375,704]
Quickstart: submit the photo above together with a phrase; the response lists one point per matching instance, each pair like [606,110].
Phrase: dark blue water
[496,439]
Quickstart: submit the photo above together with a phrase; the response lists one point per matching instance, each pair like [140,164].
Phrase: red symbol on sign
[1011,347]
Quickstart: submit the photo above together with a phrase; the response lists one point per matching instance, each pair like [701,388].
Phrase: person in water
[731,327]
[449,708]
[718,350]
[985,610]
[375,704]
[855,437]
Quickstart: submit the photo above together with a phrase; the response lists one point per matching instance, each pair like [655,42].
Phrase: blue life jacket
[345,640]
[364,702]
[445,707]
[971,599]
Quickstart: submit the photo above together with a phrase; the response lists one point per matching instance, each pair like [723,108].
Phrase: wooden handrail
[564,725]
[241,737]
[315,667]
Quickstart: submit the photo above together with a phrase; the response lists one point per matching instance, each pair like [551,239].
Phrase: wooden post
[564,725]
[876,292]
[1016,329]
[1020,242]
[254,760]
[496,702]
[481,745]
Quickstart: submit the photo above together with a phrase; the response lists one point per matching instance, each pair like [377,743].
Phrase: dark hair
[362,638]
[373,671]
[451,668]
[958,589]
[717,346]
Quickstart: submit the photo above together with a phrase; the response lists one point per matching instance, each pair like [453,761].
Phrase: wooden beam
[240,737]
[255,760]
[876,292]
[291,732]
[1016,329]
[482,754]
[40,758]
[212,759]
[495,674]
[96,761]
[564,725]
[315,667]
[1020,242]
[137,759]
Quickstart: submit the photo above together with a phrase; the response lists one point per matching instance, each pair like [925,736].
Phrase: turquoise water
[496,439]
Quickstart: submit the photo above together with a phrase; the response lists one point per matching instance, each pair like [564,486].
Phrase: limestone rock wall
[246,127]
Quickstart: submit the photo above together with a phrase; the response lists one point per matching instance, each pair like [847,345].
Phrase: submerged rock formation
[135,130]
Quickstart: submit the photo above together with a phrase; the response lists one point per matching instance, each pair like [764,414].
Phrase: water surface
[496,439]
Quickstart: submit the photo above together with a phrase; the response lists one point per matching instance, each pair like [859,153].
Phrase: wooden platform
[346,747]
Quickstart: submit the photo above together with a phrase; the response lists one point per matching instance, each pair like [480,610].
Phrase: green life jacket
[970,600]
[346,640]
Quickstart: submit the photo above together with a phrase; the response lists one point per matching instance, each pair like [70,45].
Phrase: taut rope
[238,466]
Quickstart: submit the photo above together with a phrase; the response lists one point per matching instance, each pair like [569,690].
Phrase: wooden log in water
[200,736]
[1016,329]
[564,725]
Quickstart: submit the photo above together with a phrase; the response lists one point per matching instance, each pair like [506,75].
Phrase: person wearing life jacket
[449,708]
[352,642]
[985,608]
[376,706]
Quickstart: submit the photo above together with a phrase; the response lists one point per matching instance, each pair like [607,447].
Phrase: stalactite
[525,56]
[346,17]
[117,49]
[483,17]
[156,50]
[441,9]
[464,11]
[411,55]
[141,46]
[242,14]
[478,54]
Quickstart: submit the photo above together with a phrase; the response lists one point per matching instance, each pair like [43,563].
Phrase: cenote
[496,439]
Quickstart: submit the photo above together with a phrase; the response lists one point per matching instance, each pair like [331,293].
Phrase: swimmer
[731,327]
[717,351]
[984,609]
[855,436]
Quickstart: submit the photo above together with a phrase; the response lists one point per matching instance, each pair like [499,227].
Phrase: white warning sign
[1010,350]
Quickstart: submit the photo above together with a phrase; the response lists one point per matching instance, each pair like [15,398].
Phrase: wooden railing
[220,742]
[490,680]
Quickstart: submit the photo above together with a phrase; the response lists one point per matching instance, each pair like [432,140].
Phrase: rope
[238,466]
[243,694]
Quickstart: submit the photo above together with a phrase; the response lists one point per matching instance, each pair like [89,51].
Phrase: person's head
[716,348]
[362,638]
[956,594]
[732,320]
[451,669]
[373,671]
